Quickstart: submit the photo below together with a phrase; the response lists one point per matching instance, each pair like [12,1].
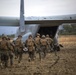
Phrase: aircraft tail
[22,24]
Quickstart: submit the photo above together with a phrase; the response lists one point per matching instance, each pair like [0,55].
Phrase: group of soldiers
[39,44]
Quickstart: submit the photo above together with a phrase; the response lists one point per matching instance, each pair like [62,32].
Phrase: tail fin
[22,25]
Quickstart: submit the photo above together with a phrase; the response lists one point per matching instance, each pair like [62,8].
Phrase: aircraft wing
[9,21]
[43,21]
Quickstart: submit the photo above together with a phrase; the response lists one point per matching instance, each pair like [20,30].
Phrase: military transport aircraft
[32,25]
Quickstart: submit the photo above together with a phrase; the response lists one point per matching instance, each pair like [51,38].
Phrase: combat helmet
[38,34]
[30,35]
[47,35]
[4,37]
[43,36]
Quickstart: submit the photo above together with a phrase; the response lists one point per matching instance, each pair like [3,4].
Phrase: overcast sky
[38,7]
[11,8]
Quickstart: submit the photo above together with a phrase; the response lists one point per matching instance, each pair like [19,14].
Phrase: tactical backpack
[30,42]
[43,42]
[3,45]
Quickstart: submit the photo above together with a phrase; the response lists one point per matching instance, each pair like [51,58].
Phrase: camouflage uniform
[19,48]
[43,43]
[30,46]
[4,52]
[10,50]
[37,42]
[49,41]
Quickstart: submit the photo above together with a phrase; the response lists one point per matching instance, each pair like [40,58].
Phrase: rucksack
[3,45]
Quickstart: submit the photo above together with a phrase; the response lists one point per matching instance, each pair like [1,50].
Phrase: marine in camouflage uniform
[4,52]
[49,41]
[37,42]
[19,48]
[31,48]
[10,50]
[43,44]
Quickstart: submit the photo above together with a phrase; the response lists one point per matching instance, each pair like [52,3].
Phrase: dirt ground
[62,64]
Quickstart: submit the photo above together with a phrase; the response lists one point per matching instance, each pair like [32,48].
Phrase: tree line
[68,30]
